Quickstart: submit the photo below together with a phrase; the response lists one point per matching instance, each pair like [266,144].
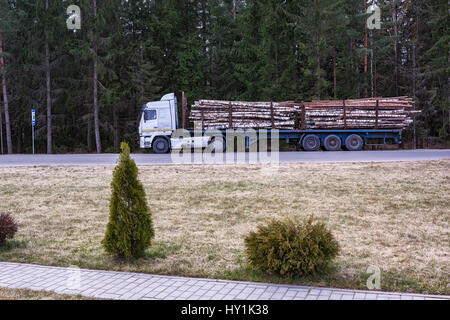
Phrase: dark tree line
[88,86]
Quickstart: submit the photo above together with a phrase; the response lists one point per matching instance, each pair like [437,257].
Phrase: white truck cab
[158,122]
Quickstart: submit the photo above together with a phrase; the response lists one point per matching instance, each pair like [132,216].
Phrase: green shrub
[130,229]
[8,227]
[291,247]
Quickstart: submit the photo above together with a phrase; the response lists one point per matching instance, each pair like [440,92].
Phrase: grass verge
[391,215]
[26,294]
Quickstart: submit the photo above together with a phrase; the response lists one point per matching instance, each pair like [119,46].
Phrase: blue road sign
[33,117]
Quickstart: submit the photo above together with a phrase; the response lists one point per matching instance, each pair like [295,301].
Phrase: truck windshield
[149,115]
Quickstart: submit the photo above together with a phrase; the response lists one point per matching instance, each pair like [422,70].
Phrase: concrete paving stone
[201,292]
[254,296]
[277,296]
[184,287]
[271,289]
[301,294]
[240,286]
[108,296]
[186,295]
[241,296]
[347,297]
[218,296]
[207,286]
[209,293]
[193,288]
[326,292]
[384,297]
[313,292]
[217,287]
[234,291]
[313,297]
[147,291]
[335,296]
[248,290]
[266,296]
[282,290]
[160,295]
[137,296]
[359,295]
[192,281]
[258,291]
[371,296]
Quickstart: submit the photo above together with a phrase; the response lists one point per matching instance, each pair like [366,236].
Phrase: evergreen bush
[8,227]
[291,247]
[130,228]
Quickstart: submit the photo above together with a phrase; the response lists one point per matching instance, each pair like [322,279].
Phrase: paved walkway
[126,285]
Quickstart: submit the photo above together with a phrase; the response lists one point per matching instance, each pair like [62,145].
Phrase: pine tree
[130,228]
[4,21]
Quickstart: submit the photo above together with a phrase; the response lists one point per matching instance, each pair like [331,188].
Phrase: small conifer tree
[130,229]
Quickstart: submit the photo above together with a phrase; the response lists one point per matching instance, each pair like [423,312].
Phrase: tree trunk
[1,131]
[365,47]
[394,18]
[95,84]
[372,77]
[48,88]
[89,133]
[414,92]
[5,101]
[334,66]
[116,129]
[318,78]
[448,79]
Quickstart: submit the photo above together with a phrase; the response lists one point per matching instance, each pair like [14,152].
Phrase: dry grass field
[392,215]
[25,294]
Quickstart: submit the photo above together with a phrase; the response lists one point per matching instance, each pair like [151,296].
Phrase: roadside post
[33,123]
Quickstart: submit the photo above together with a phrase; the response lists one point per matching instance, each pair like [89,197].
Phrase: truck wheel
[217,145]
[160,145]
[354,142]
[311,142]
[332,143]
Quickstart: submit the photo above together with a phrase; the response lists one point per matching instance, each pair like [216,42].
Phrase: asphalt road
[284,157]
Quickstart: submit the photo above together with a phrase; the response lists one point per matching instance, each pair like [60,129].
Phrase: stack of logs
[216,114]
[370,113]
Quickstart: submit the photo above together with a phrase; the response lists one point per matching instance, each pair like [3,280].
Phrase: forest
[88,85]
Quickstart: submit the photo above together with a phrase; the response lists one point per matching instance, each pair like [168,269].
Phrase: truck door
[164,119]
[150,120]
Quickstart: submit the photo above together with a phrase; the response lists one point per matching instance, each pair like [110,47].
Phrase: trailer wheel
[354,142]
[217,145]
[160,145]
[311,142]
[332,143]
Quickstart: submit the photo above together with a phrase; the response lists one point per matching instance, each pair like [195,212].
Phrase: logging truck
[159,130]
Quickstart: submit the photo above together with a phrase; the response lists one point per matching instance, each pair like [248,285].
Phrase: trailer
[159,130]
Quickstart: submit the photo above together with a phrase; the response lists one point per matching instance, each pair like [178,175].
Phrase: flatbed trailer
[159,131]
[312,140]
